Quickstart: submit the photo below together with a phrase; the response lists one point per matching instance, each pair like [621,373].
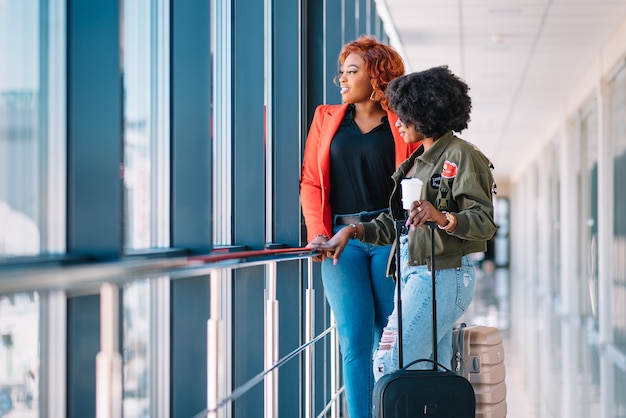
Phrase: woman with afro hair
[457,196]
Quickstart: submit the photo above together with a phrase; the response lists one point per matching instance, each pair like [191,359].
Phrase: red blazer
[315,180]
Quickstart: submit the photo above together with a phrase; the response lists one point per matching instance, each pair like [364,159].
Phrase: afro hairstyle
[434,100]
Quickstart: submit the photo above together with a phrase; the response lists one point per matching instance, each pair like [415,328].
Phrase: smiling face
[408,132]
[354,81]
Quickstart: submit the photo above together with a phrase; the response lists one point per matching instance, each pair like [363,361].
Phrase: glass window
[19,357]
[619,401]
[32,129]
[19,126]
[146,123]
[136,324]
[617,129]
[554,206]
[589,213]
[589,366]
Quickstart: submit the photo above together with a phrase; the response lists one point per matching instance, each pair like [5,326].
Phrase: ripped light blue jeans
[455,290]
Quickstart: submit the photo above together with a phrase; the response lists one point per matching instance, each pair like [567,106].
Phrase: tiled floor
[518,402]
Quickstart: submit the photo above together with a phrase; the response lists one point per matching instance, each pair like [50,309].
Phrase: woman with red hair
[350,153]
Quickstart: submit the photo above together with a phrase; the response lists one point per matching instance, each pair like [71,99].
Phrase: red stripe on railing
[253,253]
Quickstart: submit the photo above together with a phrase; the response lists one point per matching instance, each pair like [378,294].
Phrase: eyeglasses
[400,123]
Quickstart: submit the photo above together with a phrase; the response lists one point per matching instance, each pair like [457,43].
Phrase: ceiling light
[497,38]
[509,11]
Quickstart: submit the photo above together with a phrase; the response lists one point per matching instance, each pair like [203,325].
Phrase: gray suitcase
[478,355]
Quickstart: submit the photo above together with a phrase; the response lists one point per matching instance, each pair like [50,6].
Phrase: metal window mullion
[269,131]
[53,353]
[271,342]
[213,344]
[221,41]
[335,376]
[309,366]
[94,129]
[219,343]
[109,360]
[53,127]
[160,347]
[160,123]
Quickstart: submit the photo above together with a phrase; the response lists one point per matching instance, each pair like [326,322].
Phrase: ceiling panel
[520,59]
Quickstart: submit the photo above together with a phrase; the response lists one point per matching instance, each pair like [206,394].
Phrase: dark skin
[356,88]
[421,211]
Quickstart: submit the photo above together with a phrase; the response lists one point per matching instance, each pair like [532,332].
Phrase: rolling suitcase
[478,355]
[410,393]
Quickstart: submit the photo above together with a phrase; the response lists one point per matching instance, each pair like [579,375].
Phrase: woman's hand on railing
[334,247]
[315,243]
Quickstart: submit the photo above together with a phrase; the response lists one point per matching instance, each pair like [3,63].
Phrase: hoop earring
[372,98]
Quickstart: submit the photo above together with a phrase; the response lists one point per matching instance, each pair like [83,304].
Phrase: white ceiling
[520,59]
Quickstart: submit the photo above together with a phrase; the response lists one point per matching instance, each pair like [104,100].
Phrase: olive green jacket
[450,164]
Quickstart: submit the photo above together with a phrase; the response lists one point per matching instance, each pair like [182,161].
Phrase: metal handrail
[102,277]
[245,387]
[218,398]
[91,275]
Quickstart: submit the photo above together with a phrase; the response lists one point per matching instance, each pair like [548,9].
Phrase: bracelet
[322,235]
[451,222]
[354,236]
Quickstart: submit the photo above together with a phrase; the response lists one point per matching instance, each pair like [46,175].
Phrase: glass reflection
[617,99]
[19,355]
[146,123]
[19,127]
[619,402]
[136,351]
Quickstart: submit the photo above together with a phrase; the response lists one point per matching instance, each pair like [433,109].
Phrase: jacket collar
[434,153]
[430,157]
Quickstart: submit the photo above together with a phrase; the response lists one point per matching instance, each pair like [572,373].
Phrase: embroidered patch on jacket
[449,170]
[435,181]
[444,196]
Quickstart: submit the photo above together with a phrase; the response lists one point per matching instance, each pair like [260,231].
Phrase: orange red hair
[382,63]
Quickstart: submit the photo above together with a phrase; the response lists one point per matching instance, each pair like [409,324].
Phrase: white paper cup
[411,191]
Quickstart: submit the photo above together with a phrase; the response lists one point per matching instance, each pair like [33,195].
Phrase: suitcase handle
[399,224]
[427,360]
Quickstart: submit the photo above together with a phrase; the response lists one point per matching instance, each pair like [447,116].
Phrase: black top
[361,165]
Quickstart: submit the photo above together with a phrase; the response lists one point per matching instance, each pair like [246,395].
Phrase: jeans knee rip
[387,341]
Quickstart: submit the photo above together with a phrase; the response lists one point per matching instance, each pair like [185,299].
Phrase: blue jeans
[455,290]
[361,298]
